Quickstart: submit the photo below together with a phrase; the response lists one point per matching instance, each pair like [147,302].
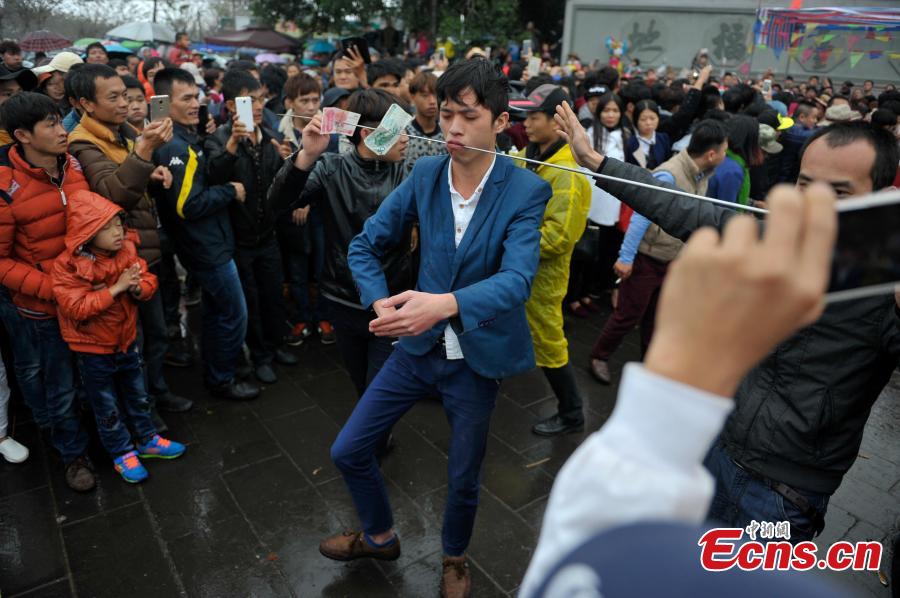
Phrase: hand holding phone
[360,45]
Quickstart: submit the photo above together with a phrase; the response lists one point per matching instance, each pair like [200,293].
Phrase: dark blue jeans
[224,321]
[741,498]
[57,377]
[26,360]
[298,264]
[405,379]
[115,387]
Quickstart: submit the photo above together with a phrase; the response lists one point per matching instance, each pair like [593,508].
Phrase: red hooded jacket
[33,227]
[91,320]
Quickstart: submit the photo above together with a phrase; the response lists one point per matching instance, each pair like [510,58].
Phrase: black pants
[595,275]
[562,381]
[363,353]
[262,279]
[153,340]
[169,285]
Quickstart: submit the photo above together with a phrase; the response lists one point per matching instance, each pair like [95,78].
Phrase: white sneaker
[12,451]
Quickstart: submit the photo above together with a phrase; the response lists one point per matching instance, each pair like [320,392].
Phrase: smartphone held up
[159,107]
[244,108]
[867,252]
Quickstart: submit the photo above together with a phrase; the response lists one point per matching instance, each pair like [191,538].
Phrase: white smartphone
[767,86]
[527,47]
[159,107]
[244,108]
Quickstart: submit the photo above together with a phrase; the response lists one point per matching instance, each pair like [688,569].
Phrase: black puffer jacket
[799,415]
[347,190]
[254,167]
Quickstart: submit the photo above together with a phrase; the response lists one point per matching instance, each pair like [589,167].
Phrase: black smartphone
[867,253]
[361,45]
[203,115]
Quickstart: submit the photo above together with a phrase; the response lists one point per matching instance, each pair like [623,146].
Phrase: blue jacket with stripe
[193,213]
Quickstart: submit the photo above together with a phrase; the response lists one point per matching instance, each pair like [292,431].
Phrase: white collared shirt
[647,143]
[463,209]
[645,464]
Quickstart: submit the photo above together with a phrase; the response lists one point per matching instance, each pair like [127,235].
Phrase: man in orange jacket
[36,178]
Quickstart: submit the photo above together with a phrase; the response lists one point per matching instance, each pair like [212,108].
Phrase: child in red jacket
[97,280]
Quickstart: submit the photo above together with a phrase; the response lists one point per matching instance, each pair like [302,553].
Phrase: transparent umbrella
[143,31]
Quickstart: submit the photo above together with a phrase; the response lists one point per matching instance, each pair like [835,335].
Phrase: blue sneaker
[160,448]
[130,468]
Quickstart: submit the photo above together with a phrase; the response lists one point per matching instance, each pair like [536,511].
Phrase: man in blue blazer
[463,329]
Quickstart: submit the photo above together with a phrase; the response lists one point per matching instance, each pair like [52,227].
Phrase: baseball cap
[543,99]
[595,91]
[767,140]
[27,80]
[333,96]
[62,62]
[775,120]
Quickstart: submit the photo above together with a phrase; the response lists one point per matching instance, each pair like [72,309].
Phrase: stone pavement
[241,514]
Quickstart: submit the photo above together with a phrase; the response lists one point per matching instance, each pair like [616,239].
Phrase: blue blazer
[490,273]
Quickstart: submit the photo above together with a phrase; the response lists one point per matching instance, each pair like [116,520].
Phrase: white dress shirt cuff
[678,422]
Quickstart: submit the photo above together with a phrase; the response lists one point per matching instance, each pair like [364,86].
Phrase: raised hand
[239,132]
[314,144]
[573,133]
[155,135]
[353,58]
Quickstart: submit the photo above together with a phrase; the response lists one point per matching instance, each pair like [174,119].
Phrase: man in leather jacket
[799,415]
[347,189]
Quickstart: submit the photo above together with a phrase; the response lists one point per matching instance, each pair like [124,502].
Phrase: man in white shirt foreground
[645,464]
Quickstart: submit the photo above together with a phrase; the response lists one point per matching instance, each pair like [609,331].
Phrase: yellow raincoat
[564,221]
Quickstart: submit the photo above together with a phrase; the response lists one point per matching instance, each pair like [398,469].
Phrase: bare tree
[20,16]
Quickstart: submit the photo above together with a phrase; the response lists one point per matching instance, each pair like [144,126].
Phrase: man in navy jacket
[463,329]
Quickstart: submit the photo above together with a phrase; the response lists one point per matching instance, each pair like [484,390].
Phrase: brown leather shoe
[352,545]
[80,475]
[600,371]
[456,581]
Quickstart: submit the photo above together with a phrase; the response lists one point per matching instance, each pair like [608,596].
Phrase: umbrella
[84,42]
[264,39]
[322,46]
[115,48]
[273,58]
[43,41]
[143,31]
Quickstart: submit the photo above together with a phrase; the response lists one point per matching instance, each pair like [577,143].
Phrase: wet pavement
[241,514]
